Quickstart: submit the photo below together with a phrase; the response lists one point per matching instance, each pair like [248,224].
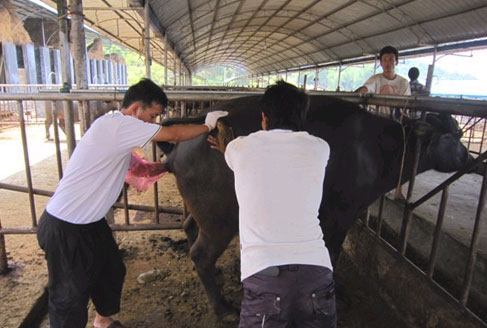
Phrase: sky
[472,63]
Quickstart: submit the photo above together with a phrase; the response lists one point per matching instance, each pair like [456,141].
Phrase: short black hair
[285,106]
[413,73]
[145,91]
[389,50]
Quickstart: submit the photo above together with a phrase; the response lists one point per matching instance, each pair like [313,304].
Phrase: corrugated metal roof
[270,35]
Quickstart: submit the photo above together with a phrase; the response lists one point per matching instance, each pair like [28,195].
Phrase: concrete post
[57,66]
[80,64]
[45,65]
[100,77]
[147,40]
[66,72]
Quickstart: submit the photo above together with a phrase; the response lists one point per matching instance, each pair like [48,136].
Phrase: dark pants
[293,296]
[83,262]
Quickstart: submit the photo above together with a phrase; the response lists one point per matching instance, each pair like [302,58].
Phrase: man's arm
[177,133]
[182,132]
[362,90]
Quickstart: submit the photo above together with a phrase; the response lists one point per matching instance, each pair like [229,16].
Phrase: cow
[366,153]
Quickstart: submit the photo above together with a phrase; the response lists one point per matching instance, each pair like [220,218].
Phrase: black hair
[285,106]
[413,73]
[389,50]
[145,91]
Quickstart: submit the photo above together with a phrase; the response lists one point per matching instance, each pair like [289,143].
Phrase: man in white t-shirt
[387,82]
[279,172]
[82,257]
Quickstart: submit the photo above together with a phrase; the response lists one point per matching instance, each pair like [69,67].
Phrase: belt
[273,271]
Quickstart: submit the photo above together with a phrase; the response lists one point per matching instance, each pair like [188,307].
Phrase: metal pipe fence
[473,126]
[470,114]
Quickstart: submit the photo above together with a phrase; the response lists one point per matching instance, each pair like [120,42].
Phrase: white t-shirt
[96,170]
[279,184]
[379,84]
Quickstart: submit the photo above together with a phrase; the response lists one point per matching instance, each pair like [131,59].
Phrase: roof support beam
[190,13]
[479,7]
[277,28]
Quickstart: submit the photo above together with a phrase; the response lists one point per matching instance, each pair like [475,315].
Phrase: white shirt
[96,170]
[379,84]
[279,184]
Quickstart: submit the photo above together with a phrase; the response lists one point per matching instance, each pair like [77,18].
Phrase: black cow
[365,159]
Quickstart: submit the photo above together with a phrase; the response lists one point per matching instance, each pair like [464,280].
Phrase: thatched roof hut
[11,26]
[95,50]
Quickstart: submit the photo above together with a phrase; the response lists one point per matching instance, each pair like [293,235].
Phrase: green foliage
[136,66]
[218,75]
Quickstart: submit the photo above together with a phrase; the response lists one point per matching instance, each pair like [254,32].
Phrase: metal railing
[473,125]
[471,115]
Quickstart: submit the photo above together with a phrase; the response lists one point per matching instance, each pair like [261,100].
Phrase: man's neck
[389,75]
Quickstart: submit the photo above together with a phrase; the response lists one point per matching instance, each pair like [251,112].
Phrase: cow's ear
[422,129]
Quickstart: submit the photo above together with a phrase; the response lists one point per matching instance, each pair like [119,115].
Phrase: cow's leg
[204,253]
[335,231]
[191,229]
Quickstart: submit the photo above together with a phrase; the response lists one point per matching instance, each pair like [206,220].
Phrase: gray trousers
[289,296]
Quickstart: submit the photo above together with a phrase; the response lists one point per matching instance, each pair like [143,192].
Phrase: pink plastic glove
[143,174]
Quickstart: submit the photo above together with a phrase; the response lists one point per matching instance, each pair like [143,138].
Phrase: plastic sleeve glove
[212,117]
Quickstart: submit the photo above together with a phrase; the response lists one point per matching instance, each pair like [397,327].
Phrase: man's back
[279,180]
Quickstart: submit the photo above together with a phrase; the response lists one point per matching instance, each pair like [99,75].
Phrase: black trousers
[289,296]
[83,262]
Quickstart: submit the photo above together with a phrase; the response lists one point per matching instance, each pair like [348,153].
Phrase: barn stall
[298,35]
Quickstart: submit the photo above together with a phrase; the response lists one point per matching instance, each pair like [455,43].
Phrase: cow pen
[471,115]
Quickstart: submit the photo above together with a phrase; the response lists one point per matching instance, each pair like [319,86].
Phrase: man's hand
[212,117]
[215,144]
[222,138]
[362,90]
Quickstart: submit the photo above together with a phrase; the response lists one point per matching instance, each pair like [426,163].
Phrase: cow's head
[444,150]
